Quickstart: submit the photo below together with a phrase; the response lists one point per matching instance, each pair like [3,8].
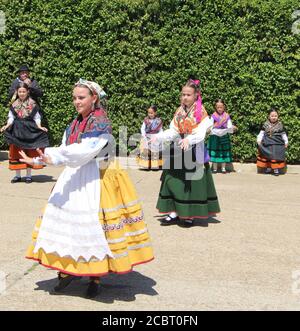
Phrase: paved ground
[246,259]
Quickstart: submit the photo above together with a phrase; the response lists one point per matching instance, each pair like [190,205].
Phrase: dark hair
[273,110]
[22,84]
[15,95]
[220,101]
[153,107]
[24,67]
[191,83]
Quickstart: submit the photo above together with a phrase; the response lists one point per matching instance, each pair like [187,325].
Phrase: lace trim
[63,251]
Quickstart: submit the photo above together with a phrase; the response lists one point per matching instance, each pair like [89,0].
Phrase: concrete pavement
[248,258]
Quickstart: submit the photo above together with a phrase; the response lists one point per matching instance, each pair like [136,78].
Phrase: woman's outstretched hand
[25,158]
[43,158]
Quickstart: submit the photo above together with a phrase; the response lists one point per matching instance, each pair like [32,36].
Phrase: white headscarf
[96,89]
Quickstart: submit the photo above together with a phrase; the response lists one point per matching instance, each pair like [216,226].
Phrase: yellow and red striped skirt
[122,220]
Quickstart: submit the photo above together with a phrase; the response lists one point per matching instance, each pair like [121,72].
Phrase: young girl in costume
[23,131]
[150,156]
[219,146]
[187,190]
[272,142]
[93,223]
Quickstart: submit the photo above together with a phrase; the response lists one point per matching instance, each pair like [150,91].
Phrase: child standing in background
[272,142]
[23,131]
[150,156]
[219,146]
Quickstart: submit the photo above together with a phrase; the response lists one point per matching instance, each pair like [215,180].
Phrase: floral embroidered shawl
[185,121]
[23,108]
[271,128]
[152,126]
[94,125]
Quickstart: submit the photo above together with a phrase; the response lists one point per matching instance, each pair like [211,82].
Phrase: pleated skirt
[122,220]
[195,198]
[219,149]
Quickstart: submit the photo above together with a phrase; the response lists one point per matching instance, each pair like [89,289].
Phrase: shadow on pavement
[43,178]
[200,222]
[3,155]
[35,179]
[112,287]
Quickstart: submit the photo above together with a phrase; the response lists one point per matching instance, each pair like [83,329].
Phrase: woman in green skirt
[187,190]
[219,146]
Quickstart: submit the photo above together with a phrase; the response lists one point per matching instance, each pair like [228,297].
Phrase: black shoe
[214,171]
[16,179]
[63,282]
[276,172]
[169,220]
[28,180]
[92,290]
[187,223]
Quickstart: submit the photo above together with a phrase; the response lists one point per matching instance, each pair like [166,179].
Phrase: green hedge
[142,52]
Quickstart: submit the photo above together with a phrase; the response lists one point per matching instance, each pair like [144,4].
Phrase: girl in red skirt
[23,131]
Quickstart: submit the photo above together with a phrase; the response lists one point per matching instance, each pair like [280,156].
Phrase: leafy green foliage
[142,52]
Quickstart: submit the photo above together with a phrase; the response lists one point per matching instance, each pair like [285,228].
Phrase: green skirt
[194,197]
[219,149]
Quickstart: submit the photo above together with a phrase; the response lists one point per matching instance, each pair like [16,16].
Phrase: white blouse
[70,226]
[36,118]
[143,130]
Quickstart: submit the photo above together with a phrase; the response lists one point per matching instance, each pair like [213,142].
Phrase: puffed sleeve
[200,132]
[222,132]
[260,136]
[37,119]
[76,155]
[169,134]
[143,130]
[285,138]
[10,118]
